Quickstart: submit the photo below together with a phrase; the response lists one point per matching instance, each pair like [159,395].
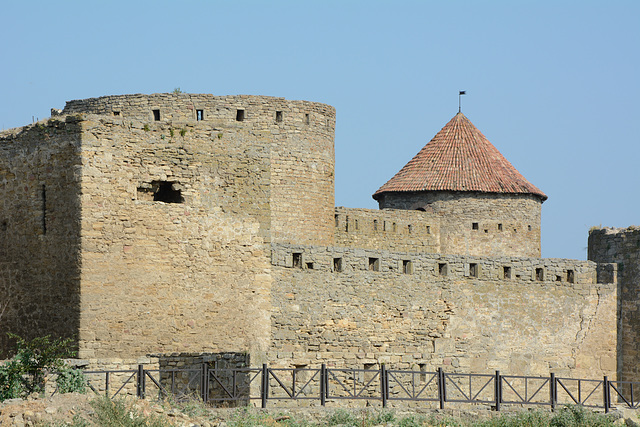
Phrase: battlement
[249,111]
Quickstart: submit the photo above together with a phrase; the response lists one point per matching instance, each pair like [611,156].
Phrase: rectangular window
[375,225]
[428,229]
[409,228]
[306,119]
[407,266]
[539,274]
[156,115]
[374,264]
[507,272]
[499,227]
[442,269]
[309,266]
[297,260]
[337,264]
[116,113]
[199,115]
[570,276]
[278,116]
[240,115]
[474,226]
[337,221]
[473,270]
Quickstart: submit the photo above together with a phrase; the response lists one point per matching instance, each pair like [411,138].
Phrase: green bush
[117,412]
[70,380]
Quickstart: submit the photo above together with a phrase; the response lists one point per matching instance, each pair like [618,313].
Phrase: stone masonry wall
[40,229]
[390,229]
[298,135]
[181,272]
[481,224]
[550,315]
[622,246]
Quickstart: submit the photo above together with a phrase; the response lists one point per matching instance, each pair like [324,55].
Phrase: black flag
[463,92]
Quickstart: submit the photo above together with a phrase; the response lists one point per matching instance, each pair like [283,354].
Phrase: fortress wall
[389,229]
[507,225]
[162,277]
[622,246]
[298,135]
[39,229]
[361,318]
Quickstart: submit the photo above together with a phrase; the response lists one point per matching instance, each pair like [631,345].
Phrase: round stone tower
[486,206]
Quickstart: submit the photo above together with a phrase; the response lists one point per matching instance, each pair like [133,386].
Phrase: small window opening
[428,229]
[506,272]
[486,230]
[499,227]
[240,115]
[346,223]
[337,221]
[306,119]
[473,270]
[337,264]
[570,276]
[116,113]
[539,274]
[199,115]
[374,264]
[384,225]
[517,276]
[558,278]
[375,225]
[474,226]
[409,228]
[423,372]
[529,228]
[309,266]
[357,224]
[296,260]
[278,116]
[44,210]
[442,269]
[156,115]
[395,227]
[407,266]
[162,191]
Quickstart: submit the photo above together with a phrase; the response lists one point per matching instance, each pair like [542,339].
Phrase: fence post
[323,384]
[552,391]
[605,394]
[441,390]
[383,388]
[498,390]
[204,382]
[265,385]
[140,382]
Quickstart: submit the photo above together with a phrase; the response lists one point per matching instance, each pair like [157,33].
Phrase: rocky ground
[67,408]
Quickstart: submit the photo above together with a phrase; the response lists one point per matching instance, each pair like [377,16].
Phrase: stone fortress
[181,225]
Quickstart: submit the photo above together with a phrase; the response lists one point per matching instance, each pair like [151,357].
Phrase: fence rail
[239,386]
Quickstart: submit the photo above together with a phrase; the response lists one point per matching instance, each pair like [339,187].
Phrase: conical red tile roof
[459,158]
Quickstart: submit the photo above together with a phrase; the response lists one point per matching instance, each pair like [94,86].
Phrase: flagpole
[460,93]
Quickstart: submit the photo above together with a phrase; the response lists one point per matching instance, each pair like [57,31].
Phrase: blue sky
[554,85]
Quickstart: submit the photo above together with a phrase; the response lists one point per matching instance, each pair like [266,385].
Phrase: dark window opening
[486,230]
[337,264]
[570,276]
[116,113]
[44,210]
[539,274]
[346,223]
[161,191]
[506,272]
[407,266]
[474,226]
[156,115]
[337,221]
[306,119]
[356,224]
[428,229]
[384,225]
[517,276]
[309,266]
[409,228]
[395,227]
[240,115]
[375,225]
[296,260]
[442,269]
[558,278]
[529,228]
[278,116]
[374,264]
[499,227]
[473,270]
[199,115]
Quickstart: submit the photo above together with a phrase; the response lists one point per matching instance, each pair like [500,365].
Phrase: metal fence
[239,386]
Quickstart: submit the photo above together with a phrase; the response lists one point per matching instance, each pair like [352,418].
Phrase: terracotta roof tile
[460,158]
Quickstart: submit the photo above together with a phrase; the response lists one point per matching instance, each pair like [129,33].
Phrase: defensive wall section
[478,223]
[359,308]
[622,246]
[40,183]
